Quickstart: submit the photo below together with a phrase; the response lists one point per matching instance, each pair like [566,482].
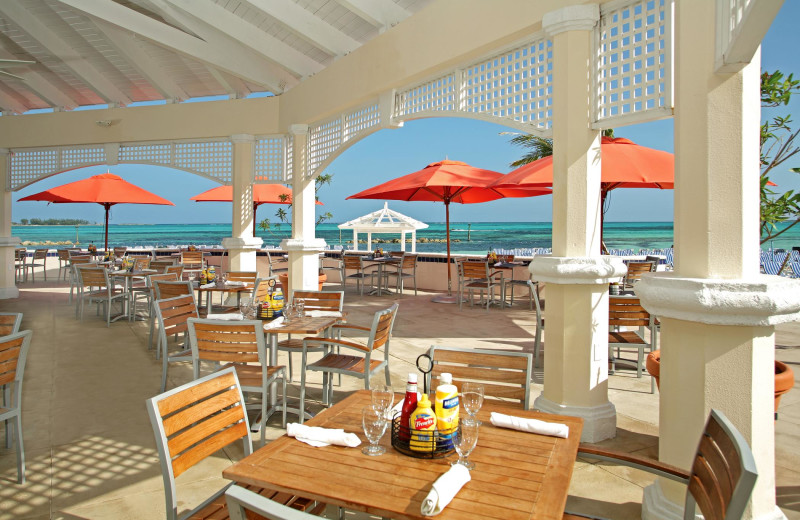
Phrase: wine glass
[299,307]
[288,312]
[472,399]
[383,398]
[375,423]
[465,437]
[245,305]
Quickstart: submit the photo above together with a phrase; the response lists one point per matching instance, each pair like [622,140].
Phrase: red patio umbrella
[105,189]
[446,181]
[262,194]
[624,164]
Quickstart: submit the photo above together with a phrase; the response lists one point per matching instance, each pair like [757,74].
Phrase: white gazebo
[385,221]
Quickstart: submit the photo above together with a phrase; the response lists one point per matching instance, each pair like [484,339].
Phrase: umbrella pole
[603,194]
[448,298]
[108,207]
[255,209]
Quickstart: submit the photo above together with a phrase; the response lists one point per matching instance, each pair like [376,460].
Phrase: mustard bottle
[423,426]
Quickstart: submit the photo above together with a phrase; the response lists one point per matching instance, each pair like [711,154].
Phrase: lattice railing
[633,73]
[270,159]
[326,138]
[515,85]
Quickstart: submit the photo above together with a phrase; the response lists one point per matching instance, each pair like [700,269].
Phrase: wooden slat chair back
[239,344]
[20,257]
[354,263]
[13,355]
[407,268]
[172,315]
[119,252]
[161,264]
[150,292]
[96,287]
[475,275]
[175,268]
[74,279]
[721,478]
[248,277]
[63,262]
[628,312]
[192,260]
[636,269]
[39,259]
[262,288]
[141,263]
[272,268]
[166,290]
[362,366]
[506,376]
[10,322]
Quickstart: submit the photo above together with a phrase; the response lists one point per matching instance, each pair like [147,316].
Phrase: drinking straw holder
[426,444]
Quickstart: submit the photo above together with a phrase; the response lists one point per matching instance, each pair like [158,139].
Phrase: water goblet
[224,278]
[472,399]
[300,307]
[244,306]
[374,422]
[288,312]
[465,437]
[383,398]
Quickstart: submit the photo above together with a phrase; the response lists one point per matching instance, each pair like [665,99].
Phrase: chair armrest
[634,461]
[497,273]
[350,326]
[334,342]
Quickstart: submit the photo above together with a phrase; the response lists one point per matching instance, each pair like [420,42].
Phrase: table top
[517,475]
[225,288]
[129,274]
[305,325]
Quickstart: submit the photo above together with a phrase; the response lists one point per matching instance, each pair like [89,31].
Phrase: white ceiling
[118,52]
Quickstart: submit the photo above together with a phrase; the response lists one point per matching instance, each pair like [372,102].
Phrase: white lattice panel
[27,167]
[211,158]
[289,159]
[432,96]
[516,84]
[270,159]
[323,140]
[360,120]
[77,157]
[147,153]
[634,70]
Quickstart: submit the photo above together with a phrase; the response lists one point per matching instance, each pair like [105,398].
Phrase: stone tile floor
[89,445]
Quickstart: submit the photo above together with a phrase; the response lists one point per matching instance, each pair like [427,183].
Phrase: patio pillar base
[303,262]
[599,422]
[242,252]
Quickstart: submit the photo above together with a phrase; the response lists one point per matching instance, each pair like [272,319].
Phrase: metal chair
[354,263]
[314,301]
[722,477]
[537,345]
[474,275]
[39,255]
[97,288]
[175,268]
[10,322]
[408,263]
[272,269]
[240,344]
[241,501]
[119,252]
[163,290]
[74,261]
[172,315]
[505,375]
[64,262]
[196,420]
[628,312]
[362,367]
[635,270]
[20,257]
[14,353]
[192,261]
[149,293]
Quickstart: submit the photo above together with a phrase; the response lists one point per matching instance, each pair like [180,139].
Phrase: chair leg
[291,378]
[285,402]
[303,391]
[17,420]
[263,418]
[165,360]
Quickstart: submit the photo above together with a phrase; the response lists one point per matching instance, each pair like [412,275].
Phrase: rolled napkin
[277,322]
[323,314]
[208,285]
[234,283]
[231,316]
[317,437]
[530,425]
[444,489]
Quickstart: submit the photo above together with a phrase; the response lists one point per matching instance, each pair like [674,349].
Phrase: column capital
[298,129]
[314,245]
[590,270]
[599,422]
[761,301]
[242,138]
[571,18]
[242,243]
[10,242]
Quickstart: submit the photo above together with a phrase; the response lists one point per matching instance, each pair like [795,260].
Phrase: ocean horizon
[466,237]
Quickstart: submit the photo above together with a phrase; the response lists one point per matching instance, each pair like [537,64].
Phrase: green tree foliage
[284,216]
[537,147]
[777,146]
[53,222]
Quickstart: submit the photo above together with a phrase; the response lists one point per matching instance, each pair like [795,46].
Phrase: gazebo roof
[384,221]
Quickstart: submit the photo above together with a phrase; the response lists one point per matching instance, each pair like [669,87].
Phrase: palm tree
[537,147]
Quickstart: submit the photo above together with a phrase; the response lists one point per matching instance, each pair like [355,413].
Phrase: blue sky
[389,154]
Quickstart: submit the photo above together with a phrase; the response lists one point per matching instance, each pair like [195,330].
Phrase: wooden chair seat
[218,508]
[626,337]
[345,362]
[290,344]
[250,375]
[114,292]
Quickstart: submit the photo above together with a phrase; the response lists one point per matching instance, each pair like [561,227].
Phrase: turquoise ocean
[475,237]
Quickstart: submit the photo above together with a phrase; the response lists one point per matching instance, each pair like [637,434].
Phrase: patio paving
[91,454]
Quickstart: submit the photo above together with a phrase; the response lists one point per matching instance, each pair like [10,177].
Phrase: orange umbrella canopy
[105,189]
[625,164]
[446,181]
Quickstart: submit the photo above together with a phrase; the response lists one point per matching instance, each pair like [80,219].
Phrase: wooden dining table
[517,475]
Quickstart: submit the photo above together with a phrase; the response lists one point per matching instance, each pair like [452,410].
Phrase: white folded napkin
[317,437]
[530,425]
[234,283]
[444,489]
[323,314]
[231,316]
[277,322]
[208,285]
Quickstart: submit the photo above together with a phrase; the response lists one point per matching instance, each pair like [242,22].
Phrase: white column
[355,240]
[576,363]
[369,241]
[414,241]
[303,247]
[403,241]
[717,312]
[8,287]
[242,246]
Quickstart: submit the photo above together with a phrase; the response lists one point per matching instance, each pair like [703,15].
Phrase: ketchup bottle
[409,406]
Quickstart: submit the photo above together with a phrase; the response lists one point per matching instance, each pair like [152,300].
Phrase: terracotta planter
[283,279]
[653,365]
[784,381]
[784,376]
